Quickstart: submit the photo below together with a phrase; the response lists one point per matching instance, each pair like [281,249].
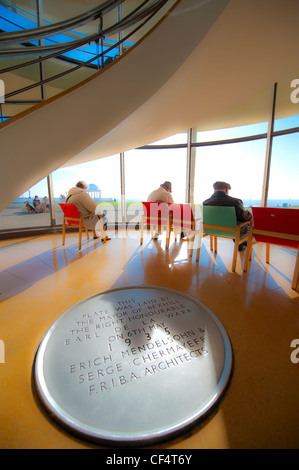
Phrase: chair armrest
[88,215]
[241,224]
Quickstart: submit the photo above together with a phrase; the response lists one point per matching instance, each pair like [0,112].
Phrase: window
[145,170]
[286,123]
[21,213]
[103,177]
[232,133]
[240,164]
[175,139]
[283,182]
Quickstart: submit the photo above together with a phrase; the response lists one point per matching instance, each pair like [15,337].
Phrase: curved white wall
[204,60]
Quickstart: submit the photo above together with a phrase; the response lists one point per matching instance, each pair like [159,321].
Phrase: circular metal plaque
[133,366]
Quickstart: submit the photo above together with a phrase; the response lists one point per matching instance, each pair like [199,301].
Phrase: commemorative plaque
[133,366]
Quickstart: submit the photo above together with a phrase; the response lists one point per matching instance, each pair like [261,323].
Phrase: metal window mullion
[190,176]
[188,165]
[269,149]
[123,191]
[51,200]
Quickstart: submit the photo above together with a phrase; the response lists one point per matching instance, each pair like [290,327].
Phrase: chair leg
[236,248]
[80,235]
[167,236]
[63,231]
[192,239]
[295,280]
[216,244]
[234,263]
[141,230]
[198,250]
[268,253]
[175,233]
[200,237]
[248,255]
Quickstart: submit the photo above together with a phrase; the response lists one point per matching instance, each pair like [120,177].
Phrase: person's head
[166,185]
[222,186]
[82,185]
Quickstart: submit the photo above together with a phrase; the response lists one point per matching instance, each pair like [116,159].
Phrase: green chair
[222,222]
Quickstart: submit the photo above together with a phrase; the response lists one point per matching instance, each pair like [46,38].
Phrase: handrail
[60,27]
[138,16]
[66,72]
[129,20]
[61,48]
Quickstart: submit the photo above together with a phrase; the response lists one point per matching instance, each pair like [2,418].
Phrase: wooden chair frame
[183,220]
[156,214]
[77,221]
[233,231]
[276,238]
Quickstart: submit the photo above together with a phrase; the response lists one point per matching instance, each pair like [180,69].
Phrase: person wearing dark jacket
[221,198]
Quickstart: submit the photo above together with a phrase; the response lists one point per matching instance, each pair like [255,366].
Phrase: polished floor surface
[40,280]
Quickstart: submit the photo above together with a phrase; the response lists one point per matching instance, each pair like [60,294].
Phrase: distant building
[94,192]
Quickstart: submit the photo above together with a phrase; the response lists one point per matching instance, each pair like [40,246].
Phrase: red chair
[276,226]
[72,218]
[182,218]
[156,215]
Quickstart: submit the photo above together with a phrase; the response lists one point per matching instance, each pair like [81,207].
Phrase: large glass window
[175,139]
[284,172]
[30,209]
[286,123]
[103,177]
[145,170]
[240,164]
[232,133]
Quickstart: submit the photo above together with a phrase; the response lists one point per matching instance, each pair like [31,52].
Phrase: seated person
[36,202]
[45,206]
[221,198]
[39,207]
[163,194]
[86,205]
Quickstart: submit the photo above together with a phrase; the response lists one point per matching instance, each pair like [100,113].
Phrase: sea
[272,202]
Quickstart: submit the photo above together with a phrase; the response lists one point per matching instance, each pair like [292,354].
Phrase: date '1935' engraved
[158,346]
[123,349]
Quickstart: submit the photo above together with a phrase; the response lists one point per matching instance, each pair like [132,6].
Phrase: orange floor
[40,280]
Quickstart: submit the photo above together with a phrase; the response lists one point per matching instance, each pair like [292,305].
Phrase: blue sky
[242,165]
